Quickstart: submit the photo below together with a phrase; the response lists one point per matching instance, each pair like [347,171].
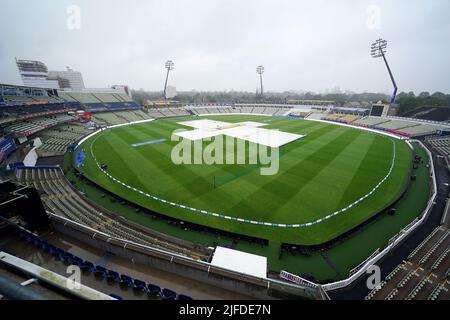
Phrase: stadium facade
[35,74]
[68,79]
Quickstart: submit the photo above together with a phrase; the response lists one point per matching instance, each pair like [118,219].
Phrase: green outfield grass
[328,169]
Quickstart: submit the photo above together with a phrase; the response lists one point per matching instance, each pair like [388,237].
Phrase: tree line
[409,101]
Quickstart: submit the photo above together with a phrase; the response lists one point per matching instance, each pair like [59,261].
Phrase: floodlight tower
[260,71]
[169,66]
[378,50]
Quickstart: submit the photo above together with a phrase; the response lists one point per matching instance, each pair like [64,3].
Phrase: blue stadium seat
[77,261]
[153,289]
[112,276]
[168,294]
[88,266]
[100,271]
[139,285]
[126,281]
[183,297]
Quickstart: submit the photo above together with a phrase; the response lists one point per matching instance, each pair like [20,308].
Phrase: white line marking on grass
[148,142]
[303,225]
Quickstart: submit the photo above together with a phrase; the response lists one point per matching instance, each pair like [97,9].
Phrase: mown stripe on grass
[250,221]
[290,182]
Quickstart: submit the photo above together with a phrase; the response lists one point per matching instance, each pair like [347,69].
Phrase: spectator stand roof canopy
[239,261]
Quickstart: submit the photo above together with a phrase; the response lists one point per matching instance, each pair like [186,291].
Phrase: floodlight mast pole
[394,95]
[260,71]
[169,66]
[379,50]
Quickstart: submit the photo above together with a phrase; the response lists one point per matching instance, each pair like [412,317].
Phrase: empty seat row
[422,244]
[62,200]
[434,248]
[110,276]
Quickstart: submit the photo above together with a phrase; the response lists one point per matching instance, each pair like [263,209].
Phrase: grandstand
[408,127]
[423,276]
[22,107]
[317,114]
[441,145]
[423,129]
[108,118]
[157,113]
[265,109]
[32,126]
[59,138]
[61,199]
[119,117]
[300,114]
[340,117]
[372,121]
[99,101]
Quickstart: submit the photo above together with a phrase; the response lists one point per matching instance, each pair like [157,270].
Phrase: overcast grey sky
[217,44]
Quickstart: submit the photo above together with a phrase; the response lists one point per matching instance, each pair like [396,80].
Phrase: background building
[35,74]
[69,79]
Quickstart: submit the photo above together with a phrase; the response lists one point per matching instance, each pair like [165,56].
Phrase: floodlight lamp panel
[260,69]
[170,65]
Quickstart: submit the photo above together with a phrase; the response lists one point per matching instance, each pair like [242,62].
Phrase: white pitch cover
[248,130]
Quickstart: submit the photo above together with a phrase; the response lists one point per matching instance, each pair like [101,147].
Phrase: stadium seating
[106,97]
[437,291]
[411,279]
[128,116]
[423,129]
[167,294]
[317,115]
[372,121]
[120,117]
[442,145]
[157,113]
[153,289]
[61,199]
[402,127]
[142,114]
[341,117]
[430,252]
[99,271]
[31,126]
[59,138]
[238,108]
[100,101]
[109,118]
[300,114]
[83,97]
